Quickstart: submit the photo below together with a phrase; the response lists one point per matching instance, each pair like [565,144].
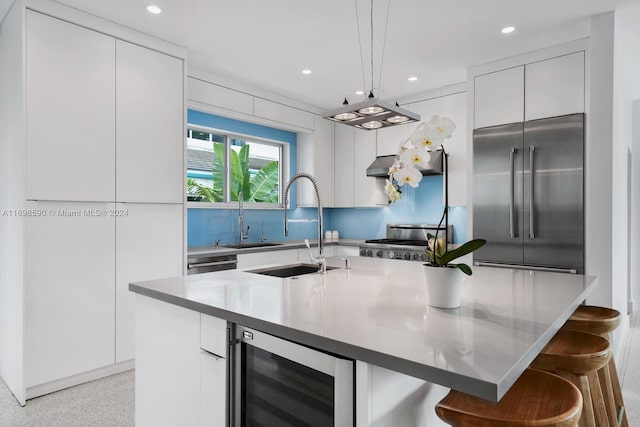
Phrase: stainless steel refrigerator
[529,194]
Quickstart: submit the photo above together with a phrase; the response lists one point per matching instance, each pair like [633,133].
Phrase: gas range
[404,241]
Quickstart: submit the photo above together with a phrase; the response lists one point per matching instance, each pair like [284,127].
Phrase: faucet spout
[320,259]
[243,235]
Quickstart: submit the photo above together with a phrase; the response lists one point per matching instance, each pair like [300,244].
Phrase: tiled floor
[109,402]
[104,403]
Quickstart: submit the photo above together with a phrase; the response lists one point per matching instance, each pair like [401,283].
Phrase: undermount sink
[252,245]
[289,270]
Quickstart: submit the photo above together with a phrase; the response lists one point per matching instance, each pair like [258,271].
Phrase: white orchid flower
[440,128]
[394,167]
[405,144]
[418,135]
[408,175]
[425,137]
[417,157]
[391,191]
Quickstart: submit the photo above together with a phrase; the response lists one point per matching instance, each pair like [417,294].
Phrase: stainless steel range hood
[380,166]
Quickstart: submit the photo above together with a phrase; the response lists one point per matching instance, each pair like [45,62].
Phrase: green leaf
[197,189]
[463,267]
[264,185]
[466,248]
[217,171]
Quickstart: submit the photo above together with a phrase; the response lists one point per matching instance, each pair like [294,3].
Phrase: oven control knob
[390,254]
[369,252]
[379,254]
[363,252]
[407,255]
[423,257]
[416,256]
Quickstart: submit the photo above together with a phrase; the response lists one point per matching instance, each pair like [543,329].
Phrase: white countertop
[377,312]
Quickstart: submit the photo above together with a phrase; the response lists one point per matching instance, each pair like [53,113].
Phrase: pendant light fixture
[373,113]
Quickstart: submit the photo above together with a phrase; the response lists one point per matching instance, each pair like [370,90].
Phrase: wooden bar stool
[537,399]
[603,321]
[577,356]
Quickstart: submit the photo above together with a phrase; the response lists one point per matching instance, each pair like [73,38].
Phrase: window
[221,166]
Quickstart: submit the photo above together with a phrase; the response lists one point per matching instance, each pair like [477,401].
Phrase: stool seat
[597,320]
[536,399]
[573,351]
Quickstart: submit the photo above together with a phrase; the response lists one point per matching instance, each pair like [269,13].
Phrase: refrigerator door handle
[532,233]
[512,184]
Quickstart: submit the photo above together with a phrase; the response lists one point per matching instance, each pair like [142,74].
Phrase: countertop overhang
[377,312]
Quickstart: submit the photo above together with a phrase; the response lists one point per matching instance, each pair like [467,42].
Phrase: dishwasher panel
[197,264]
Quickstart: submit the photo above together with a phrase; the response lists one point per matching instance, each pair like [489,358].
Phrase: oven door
[280,383]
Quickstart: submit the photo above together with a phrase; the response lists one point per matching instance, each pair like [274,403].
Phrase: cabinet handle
[209,264]
[532,233]
[208,353]
[512,184]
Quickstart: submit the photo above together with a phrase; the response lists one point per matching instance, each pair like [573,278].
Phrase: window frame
[284,162]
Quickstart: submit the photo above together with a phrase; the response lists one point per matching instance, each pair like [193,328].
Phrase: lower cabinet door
[148,246]
[213,390]
[69,291]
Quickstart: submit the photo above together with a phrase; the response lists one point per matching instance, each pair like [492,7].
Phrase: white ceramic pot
[443,286]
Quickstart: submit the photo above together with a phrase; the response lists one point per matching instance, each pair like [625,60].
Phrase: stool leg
[587,418]
[597,399]
[617,392]
[609,399]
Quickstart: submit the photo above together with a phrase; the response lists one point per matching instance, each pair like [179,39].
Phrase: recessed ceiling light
[306,71]
[359,92]
[507,30]
[412,78]
[152,8]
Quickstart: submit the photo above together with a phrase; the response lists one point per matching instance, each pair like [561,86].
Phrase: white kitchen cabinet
[344,139]
[282,113]
[148,246]
[369,191]
[219,96]
[554,87]
[455,107]
[168,364]
[150,137]
[499,97]
[214,345]
[388,139]
[286,256]
[70,107]
[315,156]
[69,290]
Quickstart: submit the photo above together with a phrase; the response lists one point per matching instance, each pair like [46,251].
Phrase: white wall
[626,91]
[11,191]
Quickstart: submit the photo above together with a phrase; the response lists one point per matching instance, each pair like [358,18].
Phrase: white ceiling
[266,43]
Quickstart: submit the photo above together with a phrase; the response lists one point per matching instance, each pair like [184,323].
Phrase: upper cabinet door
[344,161]
[150,136]
[555,87]
[70,133]
[369,191]
[388,140]
[499,98]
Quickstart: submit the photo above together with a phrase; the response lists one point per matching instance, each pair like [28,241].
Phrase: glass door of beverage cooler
[280,383]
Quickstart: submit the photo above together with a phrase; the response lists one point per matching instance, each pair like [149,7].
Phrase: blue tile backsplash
[418,205]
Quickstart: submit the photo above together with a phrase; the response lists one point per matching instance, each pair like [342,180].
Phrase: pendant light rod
[364,83]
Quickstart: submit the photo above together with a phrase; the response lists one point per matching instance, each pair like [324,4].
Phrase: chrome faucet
[243,235]
[320,259]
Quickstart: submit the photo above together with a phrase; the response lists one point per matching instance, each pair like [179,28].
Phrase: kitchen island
[376,313]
